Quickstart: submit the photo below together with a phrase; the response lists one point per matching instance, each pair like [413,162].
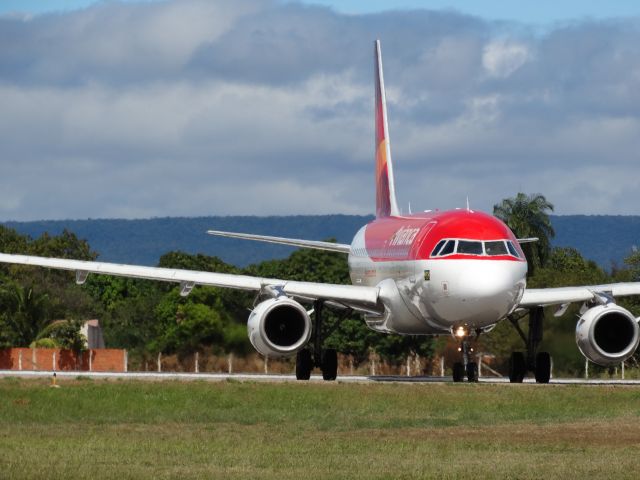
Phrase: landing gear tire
[472,372]
[517,367]
[543,367]
[304,365]
[458,372]
[329,364]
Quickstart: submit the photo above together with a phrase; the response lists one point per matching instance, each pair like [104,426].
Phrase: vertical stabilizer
[386,204]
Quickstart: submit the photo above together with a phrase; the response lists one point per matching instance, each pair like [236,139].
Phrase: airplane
[456,272]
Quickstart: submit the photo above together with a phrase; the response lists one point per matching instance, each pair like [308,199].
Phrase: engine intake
[607,334]
[279,327]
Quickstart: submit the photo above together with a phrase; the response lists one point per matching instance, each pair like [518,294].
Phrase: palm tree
[24,311]
[528,216]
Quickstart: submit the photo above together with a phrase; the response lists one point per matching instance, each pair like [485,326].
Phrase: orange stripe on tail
[386,204]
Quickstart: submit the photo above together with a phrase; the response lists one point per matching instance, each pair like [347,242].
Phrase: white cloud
[501,58]
[197,107]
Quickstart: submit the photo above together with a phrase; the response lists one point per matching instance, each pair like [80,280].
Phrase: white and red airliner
[456,272]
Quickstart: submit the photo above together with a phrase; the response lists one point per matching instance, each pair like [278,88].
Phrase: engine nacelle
[279,327]
[607,334]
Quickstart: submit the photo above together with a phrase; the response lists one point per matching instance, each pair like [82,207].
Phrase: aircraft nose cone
[480,292]
[485,280]
[491,288]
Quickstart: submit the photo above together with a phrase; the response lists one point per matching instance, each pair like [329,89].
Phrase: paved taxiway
[253,377]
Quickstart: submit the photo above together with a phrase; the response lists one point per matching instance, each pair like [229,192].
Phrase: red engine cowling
[279,327]
[607,334]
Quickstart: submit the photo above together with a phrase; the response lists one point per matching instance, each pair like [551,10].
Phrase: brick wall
[98,360]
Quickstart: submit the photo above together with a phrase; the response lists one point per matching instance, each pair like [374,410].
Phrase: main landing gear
[537,362]
[466,367]
[325,359]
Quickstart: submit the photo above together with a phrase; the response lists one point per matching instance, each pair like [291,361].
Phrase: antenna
[409,208]
[468,209]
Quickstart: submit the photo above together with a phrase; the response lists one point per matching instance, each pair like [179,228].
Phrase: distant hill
[144,241]
[605,239]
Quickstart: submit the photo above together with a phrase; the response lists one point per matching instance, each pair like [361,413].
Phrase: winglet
[386,204]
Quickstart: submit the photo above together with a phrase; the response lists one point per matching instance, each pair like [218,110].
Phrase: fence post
[20,360]
[159,361]
[126,361]
[266,364]
[622,370]
[442,366]
[90,361]
[586,369]
[197,366]
[33,359]
[351,364]
[230,363]
[53,361]
[479,365]
[408,366]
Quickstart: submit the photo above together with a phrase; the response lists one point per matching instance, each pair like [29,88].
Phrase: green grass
[127,429]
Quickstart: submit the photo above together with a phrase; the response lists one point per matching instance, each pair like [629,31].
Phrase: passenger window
[438,247]
[448,248]
[495,248]
[469,248]
[512,250]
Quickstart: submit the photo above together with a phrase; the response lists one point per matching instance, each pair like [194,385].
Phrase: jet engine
[607,334]
[279,327]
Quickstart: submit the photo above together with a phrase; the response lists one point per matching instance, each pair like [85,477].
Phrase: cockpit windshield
[495,248]
[492,248]
[470,248]
[449,248]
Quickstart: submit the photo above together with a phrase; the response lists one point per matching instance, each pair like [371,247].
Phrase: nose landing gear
[466,367]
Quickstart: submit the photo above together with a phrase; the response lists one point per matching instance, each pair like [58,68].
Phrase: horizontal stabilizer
[294,242]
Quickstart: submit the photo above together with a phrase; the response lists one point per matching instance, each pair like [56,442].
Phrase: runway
[275,378]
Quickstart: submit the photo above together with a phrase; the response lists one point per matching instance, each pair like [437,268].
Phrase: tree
[62,334]
[11,241]
[25,313]
[528,216]
[65,245]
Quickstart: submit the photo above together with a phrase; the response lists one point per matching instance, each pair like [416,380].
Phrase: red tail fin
[386,204]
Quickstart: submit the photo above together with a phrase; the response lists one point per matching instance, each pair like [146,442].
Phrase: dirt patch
[618,432]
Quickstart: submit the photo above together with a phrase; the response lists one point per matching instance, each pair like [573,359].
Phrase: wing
[294,242]
[357,297]
[542,297]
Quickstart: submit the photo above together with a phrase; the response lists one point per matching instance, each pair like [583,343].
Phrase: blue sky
[539,12]
[258,107]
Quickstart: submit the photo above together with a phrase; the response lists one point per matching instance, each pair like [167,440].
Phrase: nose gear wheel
[466,367]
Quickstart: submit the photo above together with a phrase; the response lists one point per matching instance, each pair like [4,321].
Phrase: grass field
[127,429]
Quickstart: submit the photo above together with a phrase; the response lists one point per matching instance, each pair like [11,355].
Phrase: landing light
[460,332]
